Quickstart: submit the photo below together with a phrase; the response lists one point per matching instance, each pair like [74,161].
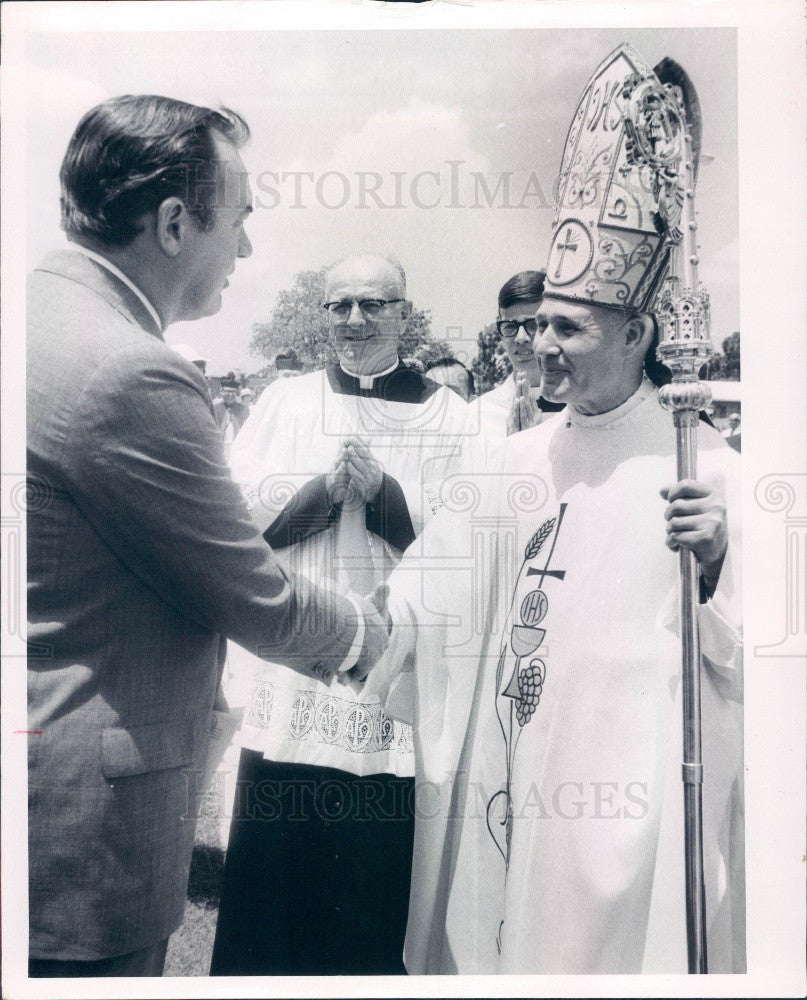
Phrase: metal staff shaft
[684,347]
[686,424]
[686,396]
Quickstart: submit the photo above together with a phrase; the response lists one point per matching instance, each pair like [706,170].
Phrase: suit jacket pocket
[131,750]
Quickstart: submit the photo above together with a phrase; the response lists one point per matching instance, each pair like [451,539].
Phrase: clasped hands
[355,480]
[524,411]
[355,477]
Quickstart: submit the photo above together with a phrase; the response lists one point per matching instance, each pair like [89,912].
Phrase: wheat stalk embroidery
[536,542]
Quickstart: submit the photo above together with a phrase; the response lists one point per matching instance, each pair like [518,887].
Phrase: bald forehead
[369,271]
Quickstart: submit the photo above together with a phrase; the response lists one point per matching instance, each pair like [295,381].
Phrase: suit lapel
[76,267]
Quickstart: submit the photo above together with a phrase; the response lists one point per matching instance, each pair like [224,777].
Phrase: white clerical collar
[121,277]
[575,419]
[366,381]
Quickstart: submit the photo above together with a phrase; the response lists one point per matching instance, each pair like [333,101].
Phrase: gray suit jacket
[141,556]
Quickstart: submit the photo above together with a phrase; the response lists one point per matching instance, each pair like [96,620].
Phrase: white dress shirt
[121,277]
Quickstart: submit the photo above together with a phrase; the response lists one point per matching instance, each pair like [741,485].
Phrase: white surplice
[294,434]
[536,647]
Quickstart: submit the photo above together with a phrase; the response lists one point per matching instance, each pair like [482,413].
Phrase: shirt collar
[366,381]
[121,277]
[645,390]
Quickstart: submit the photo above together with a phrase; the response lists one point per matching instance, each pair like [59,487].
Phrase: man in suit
[230,414]
[144,556]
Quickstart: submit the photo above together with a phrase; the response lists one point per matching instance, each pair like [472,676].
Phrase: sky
[389,141]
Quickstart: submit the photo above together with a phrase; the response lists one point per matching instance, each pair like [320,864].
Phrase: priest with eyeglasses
[341,467]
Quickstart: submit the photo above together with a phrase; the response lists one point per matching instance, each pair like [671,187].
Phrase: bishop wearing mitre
[535,641]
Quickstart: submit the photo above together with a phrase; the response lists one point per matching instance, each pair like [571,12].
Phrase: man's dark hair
[658,373]
[526,286]
[130,153]
[288,361]
[446,362]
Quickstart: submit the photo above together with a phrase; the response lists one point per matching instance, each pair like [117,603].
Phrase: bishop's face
[587,356]
[367,312]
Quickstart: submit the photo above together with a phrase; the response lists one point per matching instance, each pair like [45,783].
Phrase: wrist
[375,489]
[710,576]
[354,652]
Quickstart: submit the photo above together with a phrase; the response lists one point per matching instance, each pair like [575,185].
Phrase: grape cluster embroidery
[530,683]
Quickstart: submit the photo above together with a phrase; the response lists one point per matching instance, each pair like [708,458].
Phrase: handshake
[377,628]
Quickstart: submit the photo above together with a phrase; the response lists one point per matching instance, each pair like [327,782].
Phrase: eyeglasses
[370,308]
[509,328]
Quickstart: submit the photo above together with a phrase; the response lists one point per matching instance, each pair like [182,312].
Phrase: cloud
[415,136]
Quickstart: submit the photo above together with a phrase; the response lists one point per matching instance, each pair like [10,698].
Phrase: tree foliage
[724,366]
[428,350]
[492,366]
[299,322]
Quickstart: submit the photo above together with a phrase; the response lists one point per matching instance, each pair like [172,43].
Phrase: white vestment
[494,408]
[488,415]
[536,646]
[293,435]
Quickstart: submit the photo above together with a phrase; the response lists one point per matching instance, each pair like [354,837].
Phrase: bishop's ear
[638,332]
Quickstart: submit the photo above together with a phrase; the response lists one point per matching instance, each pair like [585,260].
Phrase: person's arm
[151,478]
[318,504]
[307,513]
[388,515]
